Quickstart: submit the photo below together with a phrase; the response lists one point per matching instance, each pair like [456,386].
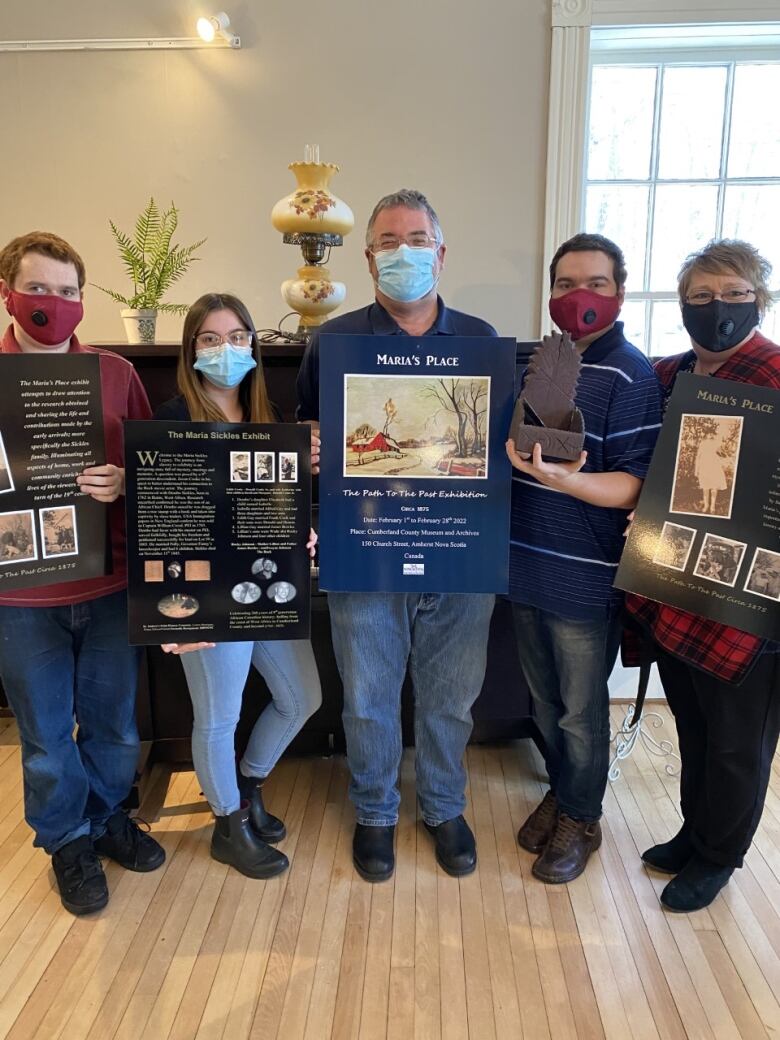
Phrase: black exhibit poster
[415,481]
[51,428]
[218,518]
[706,534]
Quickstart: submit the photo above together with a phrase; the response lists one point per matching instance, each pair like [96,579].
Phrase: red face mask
[46,319]
[581,312]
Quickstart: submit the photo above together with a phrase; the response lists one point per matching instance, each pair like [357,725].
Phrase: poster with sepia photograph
[706,530]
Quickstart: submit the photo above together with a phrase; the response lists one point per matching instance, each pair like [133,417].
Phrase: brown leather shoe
[566,854]
[538,828]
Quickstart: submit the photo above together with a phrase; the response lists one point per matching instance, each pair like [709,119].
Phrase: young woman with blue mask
[220,379]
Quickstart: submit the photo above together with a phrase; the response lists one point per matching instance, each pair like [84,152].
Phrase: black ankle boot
[235,842]
[695,886]
[269,828]
[372,852]
[670,856]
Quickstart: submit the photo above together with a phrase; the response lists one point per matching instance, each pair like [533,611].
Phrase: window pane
[620,213]
[667,335]
[632,315]
[621,123]
[685,219]
[755,122]
[753,214]
[692,121]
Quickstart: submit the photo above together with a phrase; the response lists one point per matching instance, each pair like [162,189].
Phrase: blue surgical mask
[225,365]
[406,274]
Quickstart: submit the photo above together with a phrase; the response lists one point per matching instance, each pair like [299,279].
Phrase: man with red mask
[565,543]
[64,654]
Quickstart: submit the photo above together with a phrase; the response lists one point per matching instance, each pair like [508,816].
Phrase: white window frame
[568,95]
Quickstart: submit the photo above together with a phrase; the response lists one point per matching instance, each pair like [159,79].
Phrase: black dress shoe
[372,852]
[456,850]
[670,856]
[269,828]
[695,886]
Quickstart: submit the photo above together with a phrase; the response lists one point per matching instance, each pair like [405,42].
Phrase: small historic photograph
[416,426]
[264,567]
[178,605]
[174,569]
[17,537]
[240,467]
[720,559]
[288,466]
[281,592]
[153,570]
[246,592]
[6,479]
[58,531]
[764,575]
[264,467]
[705,472]
[674,546]
[197,570]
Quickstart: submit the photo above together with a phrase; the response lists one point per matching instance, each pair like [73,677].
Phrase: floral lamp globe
[313,218]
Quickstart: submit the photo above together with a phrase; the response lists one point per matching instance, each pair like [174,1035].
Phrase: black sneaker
[128,845]
[80,877]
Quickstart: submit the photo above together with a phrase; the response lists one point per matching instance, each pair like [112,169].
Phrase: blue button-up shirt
[373,320]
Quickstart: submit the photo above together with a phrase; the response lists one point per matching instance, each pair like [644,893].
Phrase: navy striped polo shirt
[563,552]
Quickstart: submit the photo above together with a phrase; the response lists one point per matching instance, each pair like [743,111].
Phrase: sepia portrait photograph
[58,531]
[416,426]
[764,575]
[705,472]
[264,467]
[720,559]
[6,479]
[178,605]
[288,466]
[240,472]
[17,537]
[674,546]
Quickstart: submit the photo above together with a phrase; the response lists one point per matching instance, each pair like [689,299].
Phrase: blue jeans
[566,663]
[444,640]
[216,678]
[62,666]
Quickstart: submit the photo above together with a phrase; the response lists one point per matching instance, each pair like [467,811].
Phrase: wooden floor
[196,950]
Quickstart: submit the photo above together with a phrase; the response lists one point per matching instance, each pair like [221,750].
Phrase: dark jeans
[62,666]
[728,736]
[566,664]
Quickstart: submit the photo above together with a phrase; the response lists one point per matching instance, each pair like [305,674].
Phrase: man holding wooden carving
[566,537]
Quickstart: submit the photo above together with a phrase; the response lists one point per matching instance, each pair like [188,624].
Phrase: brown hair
[252,393]
[46,244]
[732,256]
[587,243]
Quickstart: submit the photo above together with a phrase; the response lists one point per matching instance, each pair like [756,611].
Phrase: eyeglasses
[704,296]
[236,338]
[417,240]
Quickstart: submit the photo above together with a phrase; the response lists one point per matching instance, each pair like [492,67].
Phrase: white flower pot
[139,325]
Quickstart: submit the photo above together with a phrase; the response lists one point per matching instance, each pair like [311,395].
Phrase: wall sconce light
[217,25]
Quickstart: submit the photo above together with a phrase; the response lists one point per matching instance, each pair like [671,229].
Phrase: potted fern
[153,264]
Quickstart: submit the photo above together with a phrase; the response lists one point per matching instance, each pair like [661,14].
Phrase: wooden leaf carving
[551,380]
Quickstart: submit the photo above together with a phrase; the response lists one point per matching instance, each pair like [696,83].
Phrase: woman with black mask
[722,684]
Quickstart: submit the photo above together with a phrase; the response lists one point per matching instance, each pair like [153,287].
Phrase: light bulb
[207,29]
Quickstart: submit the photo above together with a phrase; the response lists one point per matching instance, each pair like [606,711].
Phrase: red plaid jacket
[726,652]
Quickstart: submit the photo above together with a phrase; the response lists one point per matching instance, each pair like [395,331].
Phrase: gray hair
[410,198]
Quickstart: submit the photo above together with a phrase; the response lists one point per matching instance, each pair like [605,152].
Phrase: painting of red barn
[416,426]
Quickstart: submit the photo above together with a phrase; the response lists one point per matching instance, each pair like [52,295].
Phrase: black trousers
[728,736]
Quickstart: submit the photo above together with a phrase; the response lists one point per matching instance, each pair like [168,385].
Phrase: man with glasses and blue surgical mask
[443,637]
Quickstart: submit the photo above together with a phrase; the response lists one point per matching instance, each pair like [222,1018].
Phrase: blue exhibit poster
[415,482]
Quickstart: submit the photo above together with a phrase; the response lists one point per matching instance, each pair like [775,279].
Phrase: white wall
[443,95]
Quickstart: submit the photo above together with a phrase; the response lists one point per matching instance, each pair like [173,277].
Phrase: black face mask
[719,326]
